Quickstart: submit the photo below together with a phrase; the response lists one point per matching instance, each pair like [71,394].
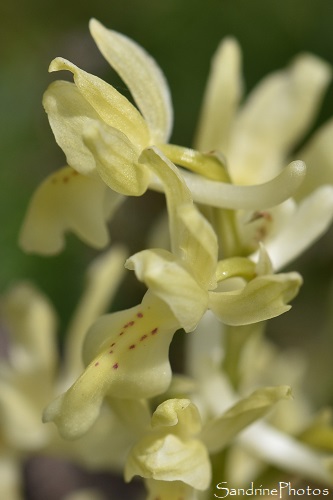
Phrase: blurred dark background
[182,36]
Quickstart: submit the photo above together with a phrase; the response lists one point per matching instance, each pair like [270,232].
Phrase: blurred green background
[182,36]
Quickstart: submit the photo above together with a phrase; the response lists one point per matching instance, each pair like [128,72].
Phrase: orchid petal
[127,357]
[67,201]
[285,452]
[20,419]
[264,264]
[169,458]
[178,412]
[255,197]
[309,222]
[275,117]
[169,453]
[318,156]
[221,99]
[221,430]
[111,106]
[166,277]
[262,298]
[141,74]
[68,114]
[31,322]
[116,159]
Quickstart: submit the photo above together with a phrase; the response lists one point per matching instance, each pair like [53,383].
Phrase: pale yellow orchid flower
[173,456]
[103,135]
[264,442]
[187,279]
[29,376]
[258,136]
[126,353]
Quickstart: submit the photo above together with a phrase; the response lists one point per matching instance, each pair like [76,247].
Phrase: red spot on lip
[115,366]
[112,344]
[110,352]
[65,179]
[140,315]
[154,331]
[121,333]
[144,337]
[97,363]
[132,346]
[130,323]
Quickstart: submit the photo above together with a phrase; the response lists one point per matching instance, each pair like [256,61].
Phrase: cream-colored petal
[111,106]
[67,201]
[142,75]
[103,278]
[262,298]
[254,197]
[69,113]
[127,357]
[116,159]
[20,420]
[318,156]
[180,413]
[275,117]
[220,431]
[165,276]
[264,263]
[221,99]
[309,222]
[31,324]
[169,453]
[285,452]
[170,458]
